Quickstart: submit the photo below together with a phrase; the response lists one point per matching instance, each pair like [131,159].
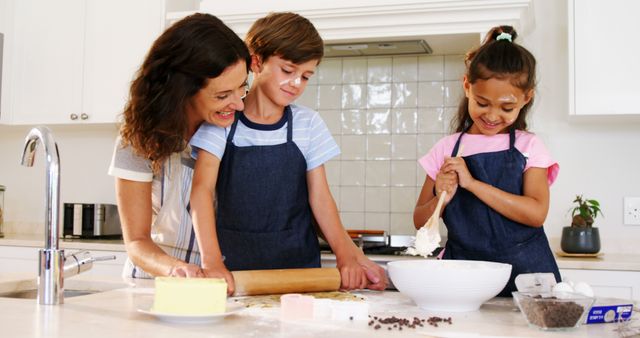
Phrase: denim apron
[477,232]
[263,215]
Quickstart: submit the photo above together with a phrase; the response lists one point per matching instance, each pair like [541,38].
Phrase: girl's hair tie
[504,36]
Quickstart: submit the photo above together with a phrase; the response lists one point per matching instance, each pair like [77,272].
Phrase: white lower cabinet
[25,259]
[607,283]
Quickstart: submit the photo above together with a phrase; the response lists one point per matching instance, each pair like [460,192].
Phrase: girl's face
[494,104]
[281,80]
[218,100]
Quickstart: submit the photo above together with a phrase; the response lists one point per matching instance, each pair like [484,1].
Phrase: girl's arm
[530,209]
[356,270]
[426,203]
[134,207]
[203,189]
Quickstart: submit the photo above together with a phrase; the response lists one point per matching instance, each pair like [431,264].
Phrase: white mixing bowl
[449,285]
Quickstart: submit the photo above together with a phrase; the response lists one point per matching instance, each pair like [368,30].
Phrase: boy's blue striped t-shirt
[310,134]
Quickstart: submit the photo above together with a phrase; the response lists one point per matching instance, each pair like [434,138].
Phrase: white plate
[192,319]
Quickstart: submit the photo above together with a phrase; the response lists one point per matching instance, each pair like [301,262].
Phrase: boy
[271,182]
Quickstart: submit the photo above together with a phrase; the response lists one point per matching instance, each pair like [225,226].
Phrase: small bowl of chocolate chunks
[553,312]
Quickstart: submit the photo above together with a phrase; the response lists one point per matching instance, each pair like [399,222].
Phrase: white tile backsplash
[379,95]
[379,70]
[404,94]
[385,113]
[404,121]
[354,121]
[352,173]
[377,199]
[330,96]
[354,96]
[431,68]
[354,70]
[454,67]
[330,71]
[354,147]
[405,69]
[378,121]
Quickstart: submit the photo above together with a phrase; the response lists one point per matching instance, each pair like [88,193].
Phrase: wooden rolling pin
[267,282]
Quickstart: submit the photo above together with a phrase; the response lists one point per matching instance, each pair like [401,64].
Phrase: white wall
[598,159]
[85,153]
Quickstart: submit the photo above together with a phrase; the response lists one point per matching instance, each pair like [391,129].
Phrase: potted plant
[581,237]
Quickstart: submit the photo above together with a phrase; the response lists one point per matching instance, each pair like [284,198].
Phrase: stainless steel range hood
[377,48]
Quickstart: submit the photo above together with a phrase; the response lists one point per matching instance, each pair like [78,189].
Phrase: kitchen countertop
[114,314]
[606,261]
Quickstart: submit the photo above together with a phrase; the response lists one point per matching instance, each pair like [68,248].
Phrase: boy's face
[281,80]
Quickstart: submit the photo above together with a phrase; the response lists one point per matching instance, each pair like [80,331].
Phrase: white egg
[584,289]
[562,287]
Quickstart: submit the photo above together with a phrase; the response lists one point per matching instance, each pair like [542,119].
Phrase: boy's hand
[352,275]
[221,271]
[376,275]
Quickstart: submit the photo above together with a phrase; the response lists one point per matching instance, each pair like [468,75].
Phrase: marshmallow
[295,306]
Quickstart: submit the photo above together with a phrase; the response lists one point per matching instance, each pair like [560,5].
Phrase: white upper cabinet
[603,71]
[339,20]
[72,61]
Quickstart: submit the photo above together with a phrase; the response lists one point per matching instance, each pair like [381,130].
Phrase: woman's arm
[530,209]
[356,270]
[134,207]
[203,190]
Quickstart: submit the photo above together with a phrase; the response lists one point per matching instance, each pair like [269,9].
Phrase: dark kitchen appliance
[85,220]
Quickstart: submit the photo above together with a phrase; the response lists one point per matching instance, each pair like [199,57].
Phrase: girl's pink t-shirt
[527,143]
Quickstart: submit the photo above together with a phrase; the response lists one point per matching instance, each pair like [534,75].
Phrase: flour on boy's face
[284,81]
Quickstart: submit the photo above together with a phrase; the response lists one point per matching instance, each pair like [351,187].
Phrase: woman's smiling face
[218,100]
[494,104]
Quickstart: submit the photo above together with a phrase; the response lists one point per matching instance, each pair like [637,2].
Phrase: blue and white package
[609,310]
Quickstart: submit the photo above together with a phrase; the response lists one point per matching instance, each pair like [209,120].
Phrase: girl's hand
[458,165]
[352,275]
[183,269]
[376,275]
[221,271]
[446,181]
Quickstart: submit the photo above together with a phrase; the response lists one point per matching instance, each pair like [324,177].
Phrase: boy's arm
[203,191]
[355,267]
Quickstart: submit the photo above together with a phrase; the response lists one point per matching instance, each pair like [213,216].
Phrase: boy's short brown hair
[287,35]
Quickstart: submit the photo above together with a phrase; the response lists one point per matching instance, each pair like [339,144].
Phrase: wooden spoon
[433,220]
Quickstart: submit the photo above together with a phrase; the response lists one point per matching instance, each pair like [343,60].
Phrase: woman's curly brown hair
[191,51]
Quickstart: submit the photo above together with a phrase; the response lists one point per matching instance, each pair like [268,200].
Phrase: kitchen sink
[27,289]
[33,294]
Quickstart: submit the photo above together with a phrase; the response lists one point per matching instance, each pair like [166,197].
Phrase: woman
[196,71]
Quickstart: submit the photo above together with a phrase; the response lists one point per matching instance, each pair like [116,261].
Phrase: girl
[270,184]
[195,71]
[498,191]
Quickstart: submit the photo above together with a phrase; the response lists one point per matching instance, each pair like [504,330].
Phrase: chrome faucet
[51,258]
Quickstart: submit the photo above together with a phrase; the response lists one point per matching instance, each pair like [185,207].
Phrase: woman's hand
[457,165]
[352,275]
[221,271]
[376,275]
[183,269]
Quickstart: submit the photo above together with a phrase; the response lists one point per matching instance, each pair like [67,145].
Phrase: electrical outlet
[632,210]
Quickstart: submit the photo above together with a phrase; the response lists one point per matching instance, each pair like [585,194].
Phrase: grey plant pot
[580,240]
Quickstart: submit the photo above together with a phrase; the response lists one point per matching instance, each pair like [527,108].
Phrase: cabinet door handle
[84,116]
[73,116]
